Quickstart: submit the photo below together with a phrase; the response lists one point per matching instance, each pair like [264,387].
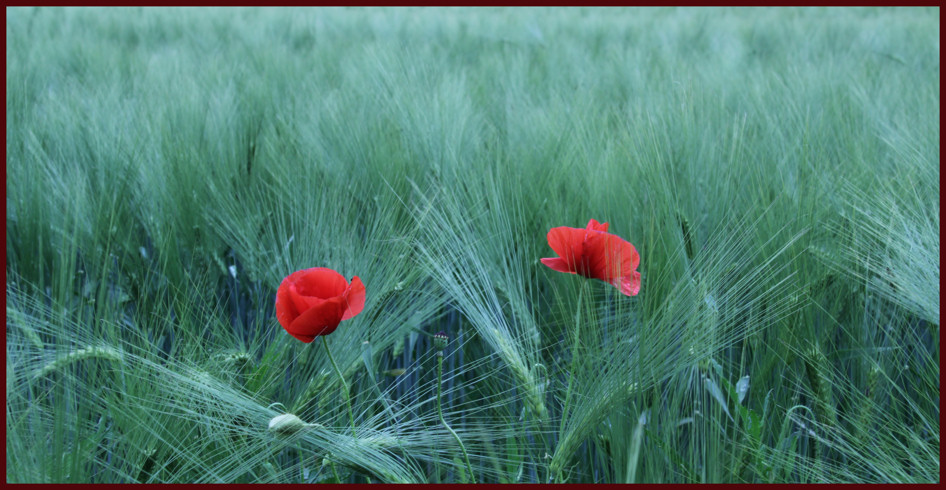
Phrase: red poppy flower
[312,302]
[592,252]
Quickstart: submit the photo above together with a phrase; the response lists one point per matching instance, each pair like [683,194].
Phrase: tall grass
[777,170]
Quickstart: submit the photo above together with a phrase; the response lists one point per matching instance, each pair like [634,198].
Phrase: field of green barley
[776,169]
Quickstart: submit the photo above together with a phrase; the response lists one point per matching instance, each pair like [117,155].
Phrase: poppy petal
[304,338]
[354,298]
[567,242]
[307,287]
[286,311]
[629,285]
[319,282]
[628,255]
[557,264]
[609,256]
[321,319]
[595,226]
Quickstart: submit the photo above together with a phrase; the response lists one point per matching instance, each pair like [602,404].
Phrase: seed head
[440,340]
[286,423]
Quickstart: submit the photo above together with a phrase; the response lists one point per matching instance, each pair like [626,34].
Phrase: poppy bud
[440,340]
[286,423]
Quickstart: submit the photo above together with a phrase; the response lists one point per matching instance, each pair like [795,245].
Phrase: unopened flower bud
[286,423]
[440,340]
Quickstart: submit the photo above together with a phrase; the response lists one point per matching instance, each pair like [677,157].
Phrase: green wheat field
[776,169]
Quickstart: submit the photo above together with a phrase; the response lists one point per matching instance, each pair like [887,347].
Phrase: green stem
[331,464]
[572,369]
[351,416]
[466,458]
[301,464]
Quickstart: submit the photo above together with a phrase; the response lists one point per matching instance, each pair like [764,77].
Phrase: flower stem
[338,479]
[351,417]
[571,371]
[301,464]
[466,458]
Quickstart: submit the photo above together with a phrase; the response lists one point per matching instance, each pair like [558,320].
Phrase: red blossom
[595,253]
[312,302]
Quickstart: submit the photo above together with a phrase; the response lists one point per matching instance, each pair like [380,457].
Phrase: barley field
[775,169]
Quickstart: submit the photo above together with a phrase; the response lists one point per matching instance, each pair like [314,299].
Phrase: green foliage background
[777,170]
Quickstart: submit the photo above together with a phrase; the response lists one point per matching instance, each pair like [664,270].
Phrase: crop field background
[776,169]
